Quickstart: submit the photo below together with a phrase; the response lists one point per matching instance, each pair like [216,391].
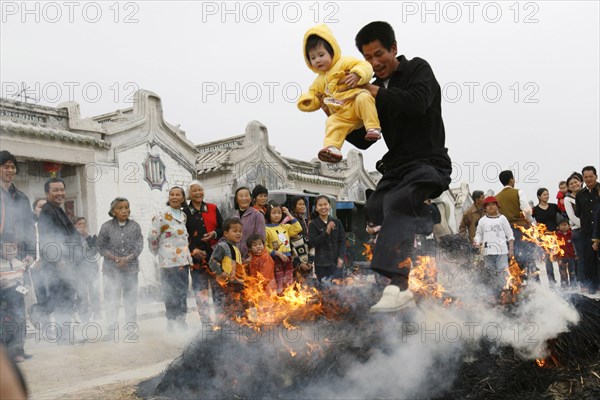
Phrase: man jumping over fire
[415,168]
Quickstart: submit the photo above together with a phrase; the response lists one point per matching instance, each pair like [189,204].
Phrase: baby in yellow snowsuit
[348,107]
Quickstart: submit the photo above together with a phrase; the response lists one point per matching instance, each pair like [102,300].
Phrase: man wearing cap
[495,238]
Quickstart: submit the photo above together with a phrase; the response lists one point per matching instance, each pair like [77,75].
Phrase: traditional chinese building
[133,153]
[249,160]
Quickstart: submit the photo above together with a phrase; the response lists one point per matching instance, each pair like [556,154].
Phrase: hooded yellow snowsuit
[349,110]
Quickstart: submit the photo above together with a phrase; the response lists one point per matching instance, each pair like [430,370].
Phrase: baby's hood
[324,32]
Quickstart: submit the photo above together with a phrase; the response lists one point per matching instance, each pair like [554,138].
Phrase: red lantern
[52,168]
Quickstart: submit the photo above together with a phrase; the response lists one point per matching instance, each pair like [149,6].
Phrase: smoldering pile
[361,355]
[570,371]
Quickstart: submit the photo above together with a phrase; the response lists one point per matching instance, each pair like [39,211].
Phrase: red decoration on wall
[52,168]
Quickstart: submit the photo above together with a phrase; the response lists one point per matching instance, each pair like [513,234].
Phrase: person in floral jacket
[168,239]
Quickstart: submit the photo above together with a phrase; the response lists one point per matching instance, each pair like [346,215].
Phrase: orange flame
[422,279]
[545,240]
[368,251]
[541,362]
[514,282]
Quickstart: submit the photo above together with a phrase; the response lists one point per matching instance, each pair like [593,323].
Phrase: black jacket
[16,221]
[585,202]
[410,114]
[59,240]
[328,247]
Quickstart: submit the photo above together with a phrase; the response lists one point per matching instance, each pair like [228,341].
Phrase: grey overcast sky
[520,80]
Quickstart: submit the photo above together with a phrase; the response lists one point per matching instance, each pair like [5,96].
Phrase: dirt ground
[90,368]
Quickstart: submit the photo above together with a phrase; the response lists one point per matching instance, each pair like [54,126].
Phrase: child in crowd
[226,263]
[335,90]
[278,243]
[566,261]
[563,190]
[492,235]
[261,262]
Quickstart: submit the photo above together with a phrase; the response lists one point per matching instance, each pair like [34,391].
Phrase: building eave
[13,128]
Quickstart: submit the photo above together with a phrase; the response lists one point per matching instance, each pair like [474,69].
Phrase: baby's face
[320,58]
[257,247]
[563,188]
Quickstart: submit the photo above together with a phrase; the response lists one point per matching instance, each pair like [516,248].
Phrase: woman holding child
[168,239]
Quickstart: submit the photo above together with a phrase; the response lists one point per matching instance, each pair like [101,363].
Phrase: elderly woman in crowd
[203,225]
[253,221]
[168,239]
[120,241]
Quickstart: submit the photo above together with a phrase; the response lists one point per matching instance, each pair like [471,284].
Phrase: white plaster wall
[125,178]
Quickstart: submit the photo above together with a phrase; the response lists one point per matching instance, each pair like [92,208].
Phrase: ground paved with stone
[94,369]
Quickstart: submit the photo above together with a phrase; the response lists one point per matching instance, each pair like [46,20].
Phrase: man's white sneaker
[393,300]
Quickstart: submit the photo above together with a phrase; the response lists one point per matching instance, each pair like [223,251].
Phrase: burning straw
[323,343]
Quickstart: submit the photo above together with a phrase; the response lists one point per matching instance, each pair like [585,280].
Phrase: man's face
[8,171]
[589,178]
[479,201]
[384,61]
[56,193]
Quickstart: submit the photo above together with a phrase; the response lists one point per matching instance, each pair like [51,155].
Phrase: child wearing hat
[495,237]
